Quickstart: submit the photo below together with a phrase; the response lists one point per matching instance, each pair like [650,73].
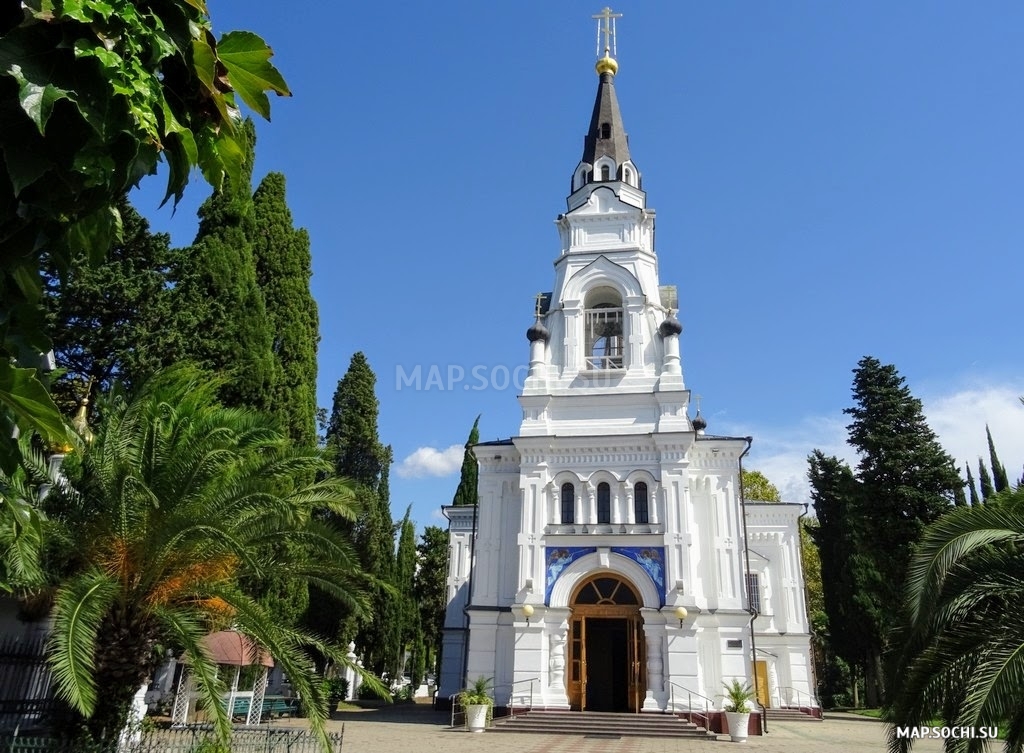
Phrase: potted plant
[737,699]
[478,704]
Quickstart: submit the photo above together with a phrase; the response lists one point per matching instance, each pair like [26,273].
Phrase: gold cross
[608,29]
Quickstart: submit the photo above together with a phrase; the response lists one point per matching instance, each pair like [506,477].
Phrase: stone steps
[600,724]
[789,715]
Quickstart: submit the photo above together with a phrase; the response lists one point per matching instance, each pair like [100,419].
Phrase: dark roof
[494,443]
[606,110]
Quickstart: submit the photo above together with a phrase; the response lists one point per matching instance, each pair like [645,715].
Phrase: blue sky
[832,180]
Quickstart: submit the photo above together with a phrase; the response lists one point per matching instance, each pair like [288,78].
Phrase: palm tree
[962,657]
[176,504]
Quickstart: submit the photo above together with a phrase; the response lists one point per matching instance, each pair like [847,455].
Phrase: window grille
[604,503]
[754,591]
[640,511]
[568,502]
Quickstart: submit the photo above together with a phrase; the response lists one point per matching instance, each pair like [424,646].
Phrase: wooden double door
[606,659]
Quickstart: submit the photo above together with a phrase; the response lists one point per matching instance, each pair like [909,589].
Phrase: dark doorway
[607,665]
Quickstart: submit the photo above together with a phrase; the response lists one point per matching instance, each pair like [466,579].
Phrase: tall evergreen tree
[352,427]
[431,580]
[410,636]
[283,270]
[110,321]
[358,455]
[466,493]
[905,480]
[848,574]
[971,488]
[985,480]
[999,478]
[218,303]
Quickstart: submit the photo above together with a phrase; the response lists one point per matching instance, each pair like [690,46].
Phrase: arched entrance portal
[606,647]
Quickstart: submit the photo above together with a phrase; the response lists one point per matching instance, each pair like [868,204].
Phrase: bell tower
[608,326]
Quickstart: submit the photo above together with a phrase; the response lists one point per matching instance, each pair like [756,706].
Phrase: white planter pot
[737,725]
[476,717]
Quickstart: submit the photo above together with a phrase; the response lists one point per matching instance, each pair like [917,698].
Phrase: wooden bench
[279,706]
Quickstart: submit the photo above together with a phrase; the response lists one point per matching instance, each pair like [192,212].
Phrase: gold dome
[607,64]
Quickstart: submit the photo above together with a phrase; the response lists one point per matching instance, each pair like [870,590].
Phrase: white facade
[609,509]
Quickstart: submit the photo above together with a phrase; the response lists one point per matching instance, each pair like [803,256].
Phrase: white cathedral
[611,563]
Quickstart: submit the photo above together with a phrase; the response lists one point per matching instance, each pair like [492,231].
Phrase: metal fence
[187,740]
[25,683]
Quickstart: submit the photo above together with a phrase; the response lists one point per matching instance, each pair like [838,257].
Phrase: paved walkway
[416,727]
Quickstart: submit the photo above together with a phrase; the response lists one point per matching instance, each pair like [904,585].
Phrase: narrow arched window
[640,506]
[568,502]
[606,130]
[627,176]
[604,503]
[606,172]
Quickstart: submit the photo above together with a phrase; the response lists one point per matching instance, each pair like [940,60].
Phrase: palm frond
[79,609]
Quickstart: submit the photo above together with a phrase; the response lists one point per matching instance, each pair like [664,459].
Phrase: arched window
[606,172]
[603,321]
[627,175]
[640,507]
[604,503]
[568,502]
[606,130]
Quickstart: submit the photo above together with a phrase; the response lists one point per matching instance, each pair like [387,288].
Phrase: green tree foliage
[93,94]
[353,440]
[466,493]
[985,481]
[962,648]
[1001,481]
[757,488]
[410,637]
[352,427]
[218,301]
[283,271]
[971,488]
[174,504]
[904,481]
[431,589]
[849,577]
[109,321]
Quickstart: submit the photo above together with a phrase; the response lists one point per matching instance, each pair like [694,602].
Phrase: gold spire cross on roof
[606,26]
[540,304]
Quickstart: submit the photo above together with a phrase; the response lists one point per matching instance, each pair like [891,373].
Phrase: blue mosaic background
[650,558]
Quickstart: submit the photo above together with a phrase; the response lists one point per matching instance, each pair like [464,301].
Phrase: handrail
[811,699]
[453,702]
[708,703]
[512,694]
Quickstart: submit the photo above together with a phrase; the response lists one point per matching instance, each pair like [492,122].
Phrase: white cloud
[959,420]
[957,415]
[430,461]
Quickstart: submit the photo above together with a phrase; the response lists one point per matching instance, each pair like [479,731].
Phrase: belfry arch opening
[604,335]
[606,647]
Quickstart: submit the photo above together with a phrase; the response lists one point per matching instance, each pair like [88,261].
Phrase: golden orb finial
[607,64]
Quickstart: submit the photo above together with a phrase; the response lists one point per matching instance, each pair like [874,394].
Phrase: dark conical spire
[607,136]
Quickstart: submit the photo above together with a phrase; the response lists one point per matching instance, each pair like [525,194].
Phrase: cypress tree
[959,499]
[466,493]
[848,573]
[352,427]
[110,321]
[431,580]
[405,583]
[971,488]
[218,302]
[283,270]
[987,489]
[999,478]
[358,455]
